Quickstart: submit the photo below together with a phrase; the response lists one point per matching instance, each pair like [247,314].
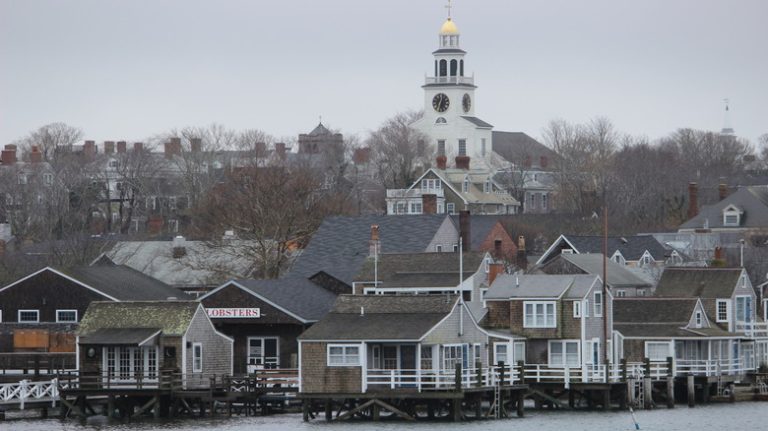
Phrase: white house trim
[61,274]
[551,248]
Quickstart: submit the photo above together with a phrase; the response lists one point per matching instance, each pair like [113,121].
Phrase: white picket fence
[26,391]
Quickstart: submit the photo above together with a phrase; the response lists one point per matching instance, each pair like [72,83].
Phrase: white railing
[25,391]
[703,367]
[450,80]
[753,329]
[414,193]
[421,380]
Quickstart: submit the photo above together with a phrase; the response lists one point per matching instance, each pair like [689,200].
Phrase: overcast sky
[131,69]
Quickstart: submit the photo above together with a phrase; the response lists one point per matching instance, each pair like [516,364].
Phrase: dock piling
[691,391]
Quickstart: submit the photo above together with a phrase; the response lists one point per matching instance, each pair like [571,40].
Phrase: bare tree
[50,137]
[399,152]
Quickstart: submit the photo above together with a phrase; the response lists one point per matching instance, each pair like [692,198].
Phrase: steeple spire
[727,128]
[449,7]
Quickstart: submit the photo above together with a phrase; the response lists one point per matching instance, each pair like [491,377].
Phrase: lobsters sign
[233,313]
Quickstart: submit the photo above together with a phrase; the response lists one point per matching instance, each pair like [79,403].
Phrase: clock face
[466,102]
[440,102]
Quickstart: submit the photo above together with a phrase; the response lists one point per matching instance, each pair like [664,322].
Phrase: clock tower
[449,104]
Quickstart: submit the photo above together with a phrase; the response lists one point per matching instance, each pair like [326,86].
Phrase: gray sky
[131,69]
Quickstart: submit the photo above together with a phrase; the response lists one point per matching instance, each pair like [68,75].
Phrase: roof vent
[517,280]
[362,311]
[172,298]
[624,240]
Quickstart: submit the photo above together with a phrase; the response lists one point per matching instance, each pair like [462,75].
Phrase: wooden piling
[376,412]
[329,410]
[691,391]
[670,392]
[304,410]
[648,393]
[520,404]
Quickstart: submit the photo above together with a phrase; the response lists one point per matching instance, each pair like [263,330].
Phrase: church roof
[449,28]
[477,122]
[320,130]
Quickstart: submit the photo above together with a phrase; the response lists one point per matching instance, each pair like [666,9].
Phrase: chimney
[280,150]
[196,144]
[693,200]
[35,156]
[494,270]
[109,147]
[522,256]
[429,204]
[462,162]
[173,148]
[122,147]
[179,248]
[362,156]
[718,253]
[374,245]
[9,154]
[261,149]
[442,162]
[722,191]
[89,150]
[464,230]
[138,147]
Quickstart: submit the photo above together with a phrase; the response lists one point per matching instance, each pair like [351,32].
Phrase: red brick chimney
[109,147]
[89,150]
[522,256]
[464,230]
[196,144]
[35,156]
[718,253]
[8,155]
[442,162]
[374,245]
[498,251]
[122,147]
[361,156]
[173,148]
[429,204]
[280,150]
[138,147]
[462,162]
[693,200]
[261,149]
[722,191]
[494,270]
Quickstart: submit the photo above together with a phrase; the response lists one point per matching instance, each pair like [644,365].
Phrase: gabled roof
[170,317]
[752,200]
[114,282]
[618,275]
[478,122]
[660,317]
[298,297]
[631,247]
[420,269]
[320,130]
[515,147]
[381,317]
[341,244]
[514,286]
[688,282]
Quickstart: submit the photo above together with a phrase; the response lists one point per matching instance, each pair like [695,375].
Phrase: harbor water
[715,417]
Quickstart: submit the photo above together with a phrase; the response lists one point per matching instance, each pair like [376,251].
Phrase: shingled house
[130,341]
[620,279]
[633,251]
[562,317]
[40,312]
[367,339]
[264,317]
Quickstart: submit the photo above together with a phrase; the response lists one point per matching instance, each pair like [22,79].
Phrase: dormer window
[618,258]
[698,319]
[465,185]
[646,259]
[732,216]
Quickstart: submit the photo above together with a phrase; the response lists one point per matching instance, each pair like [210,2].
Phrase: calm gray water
[721,417]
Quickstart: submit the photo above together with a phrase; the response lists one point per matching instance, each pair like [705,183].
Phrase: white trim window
[66,316]
[450,208]
[658,351]
[731,216]
[598,304]
[29,316]
[539,314]
[501,353]
[698,319]
[576,309]
[564,353]
[621,293]
[519,351]
[197,357]
[723,310]
[343,355]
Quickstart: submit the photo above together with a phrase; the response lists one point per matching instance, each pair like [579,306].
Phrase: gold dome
[449,28]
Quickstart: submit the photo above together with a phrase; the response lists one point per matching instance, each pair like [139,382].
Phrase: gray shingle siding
[217,349]
[447,332]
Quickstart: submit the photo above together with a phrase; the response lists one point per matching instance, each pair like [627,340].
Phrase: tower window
[441,147]
[436,67]
[443,67]
[461,67]
[441,120]
[453,67]
[482,146]
[462,147]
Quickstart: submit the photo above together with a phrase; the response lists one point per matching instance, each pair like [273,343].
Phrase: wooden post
[431,409]
[647,366]
[478,407]
[501,373]
[44,413]
[479,374]
[457,380]
[691,391]
[376,412]
[607,371]
[520,371]
[304,409]
[648,392]
[520,404]
[571,399]
[329,410]
[456,403]
[670,392]
[624,370]
[607,398]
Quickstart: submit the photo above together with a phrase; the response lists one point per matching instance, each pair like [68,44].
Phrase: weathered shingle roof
[382,317]
[124,283]
[341,244]
[698,282]
[479,227]
[507,286]
[420,269]
[130,336]
[297,295]
[752,200]
[631,247]
[592,263]
[477,122]
[659,317]
[171,317]
[518,146]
